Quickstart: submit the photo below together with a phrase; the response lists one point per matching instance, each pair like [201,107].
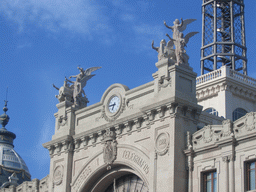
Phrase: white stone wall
[149,127]
[224,148]
[225,90]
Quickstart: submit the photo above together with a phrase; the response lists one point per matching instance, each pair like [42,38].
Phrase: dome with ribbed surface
[10,161]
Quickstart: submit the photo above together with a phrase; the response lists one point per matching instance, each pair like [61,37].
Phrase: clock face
[114,104]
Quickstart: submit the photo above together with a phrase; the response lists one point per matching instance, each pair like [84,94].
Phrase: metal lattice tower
[223,35]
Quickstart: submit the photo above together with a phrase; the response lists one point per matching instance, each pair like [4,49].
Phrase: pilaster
[65,120]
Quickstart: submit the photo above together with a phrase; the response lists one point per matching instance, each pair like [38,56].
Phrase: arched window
[211,111]
[238,113]
[128,183]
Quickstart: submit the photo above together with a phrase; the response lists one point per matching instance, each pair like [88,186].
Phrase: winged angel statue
[74,92]
[178,40]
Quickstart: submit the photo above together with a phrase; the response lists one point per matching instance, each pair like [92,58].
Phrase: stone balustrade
[225,72]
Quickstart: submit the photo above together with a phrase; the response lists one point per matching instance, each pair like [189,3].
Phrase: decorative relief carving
[62,120]
[207,135]
[130,106]
[250,121]
[164,82]
[109,148]
[58,175]
[162,143]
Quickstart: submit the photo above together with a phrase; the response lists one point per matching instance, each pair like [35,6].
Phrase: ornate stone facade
[156,136]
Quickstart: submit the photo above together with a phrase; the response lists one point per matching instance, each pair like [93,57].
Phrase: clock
[114,104]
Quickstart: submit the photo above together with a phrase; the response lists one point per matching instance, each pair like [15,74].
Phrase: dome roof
[10,161]
[9,158]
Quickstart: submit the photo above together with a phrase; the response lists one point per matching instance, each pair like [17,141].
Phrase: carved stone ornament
[250,121]
[227,126]
[164,82]
[109,148]
[62,120]
[162,143]
[58,175]
[109,153]
[207,135]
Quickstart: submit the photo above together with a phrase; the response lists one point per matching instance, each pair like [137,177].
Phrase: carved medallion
[162,143]
[58,175]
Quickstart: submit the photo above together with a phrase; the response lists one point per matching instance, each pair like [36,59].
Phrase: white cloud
[82,16]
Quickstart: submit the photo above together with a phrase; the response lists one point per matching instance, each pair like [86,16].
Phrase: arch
[116,85]
[106,179]
[212,111]
[129,182]
[94,176]
[238,113]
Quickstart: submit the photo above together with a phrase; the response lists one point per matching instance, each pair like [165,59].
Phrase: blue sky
[42,41]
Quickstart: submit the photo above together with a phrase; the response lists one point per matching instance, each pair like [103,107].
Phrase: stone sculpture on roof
[74,93]
[178,40]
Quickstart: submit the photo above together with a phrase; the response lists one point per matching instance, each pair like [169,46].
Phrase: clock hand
[113,106]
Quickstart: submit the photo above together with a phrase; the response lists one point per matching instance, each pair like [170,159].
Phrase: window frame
[204,180]
[247,175]
[237,112]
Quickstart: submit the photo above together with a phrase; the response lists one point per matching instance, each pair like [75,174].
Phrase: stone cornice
[227,85]
[209,85]
[140,88]
[59,145]
[147,116]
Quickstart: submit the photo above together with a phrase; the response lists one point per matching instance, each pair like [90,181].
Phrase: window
[238,113]
[211,111]
[250,175]
[210,181]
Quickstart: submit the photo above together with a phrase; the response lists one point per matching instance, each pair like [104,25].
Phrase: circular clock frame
[114,101]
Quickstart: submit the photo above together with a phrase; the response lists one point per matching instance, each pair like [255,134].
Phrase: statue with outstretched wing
[79,84]
[188,36]
[88,75]
[178,26]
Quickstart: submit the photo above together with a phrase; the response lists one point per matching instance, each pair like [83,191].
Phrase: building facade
[176,133]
